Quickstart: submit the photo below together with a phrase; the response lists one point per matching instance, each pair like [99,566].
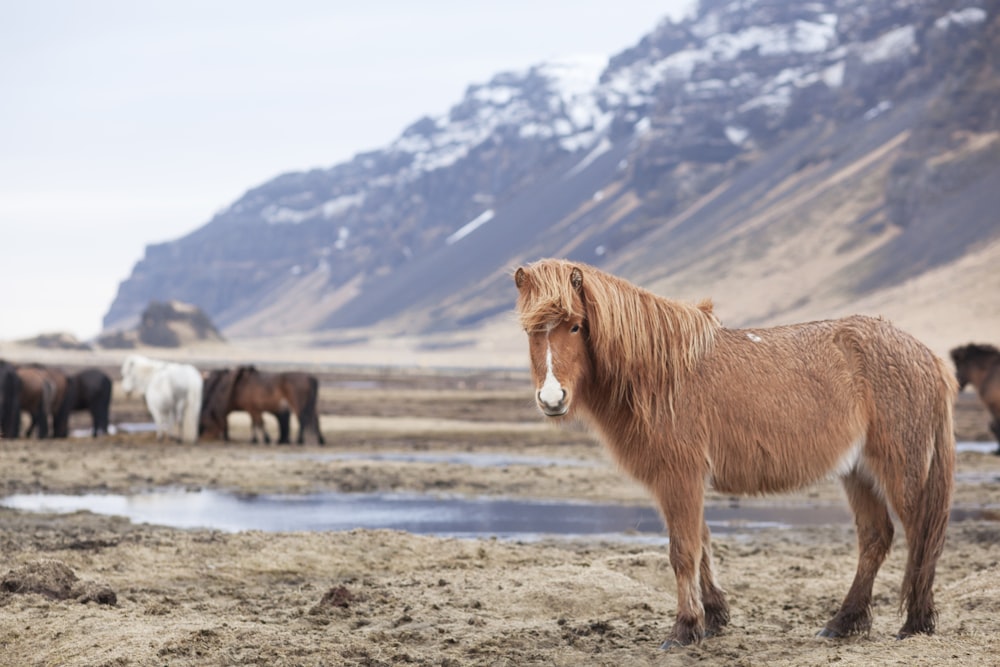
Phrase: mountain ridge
[789,161]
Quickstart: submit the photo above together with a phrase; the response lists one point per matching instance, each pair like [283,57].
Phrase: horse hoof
[671,644]
[827,633]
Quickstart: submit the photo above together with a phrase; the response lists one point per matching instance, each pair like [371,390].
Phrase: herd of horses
[49,395]
[186,404]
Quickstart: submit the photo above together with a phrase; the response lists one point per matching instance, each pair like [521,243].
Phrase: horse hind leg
[995,427]
[285,427]
[875,531]
[926,523]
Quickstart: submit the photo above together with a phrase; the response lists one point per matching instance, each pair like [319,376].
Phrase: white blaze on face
[551,393]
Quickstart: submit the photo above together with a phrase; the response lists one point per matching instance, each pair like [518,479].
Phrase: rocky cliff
[789,159]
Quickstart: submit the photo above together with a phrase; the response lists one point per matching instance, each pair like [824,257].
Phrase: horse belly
[779,450]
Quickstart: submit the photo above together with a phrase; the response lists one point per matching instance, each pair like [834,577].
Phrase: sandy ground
[86,589]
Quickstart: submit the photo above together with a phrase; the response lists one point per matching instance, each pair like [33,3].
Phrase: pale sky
[125,123]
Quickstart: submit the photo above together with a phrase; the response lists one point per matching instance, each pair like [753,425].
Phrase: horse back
[779,408]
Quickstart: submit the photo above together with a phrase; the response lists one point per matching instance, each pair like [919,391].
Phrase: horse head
[971,358]
[129,372]
[552,311]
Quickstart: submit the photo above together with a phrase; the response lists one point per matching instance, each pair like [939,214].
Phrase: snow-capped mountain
[730,139]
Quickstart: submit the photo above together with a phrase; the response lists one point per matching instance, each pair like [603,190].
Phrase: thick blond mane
[642,344]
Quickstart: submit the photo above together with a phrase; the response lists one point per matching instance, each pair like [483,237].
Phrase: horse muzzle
[552,408]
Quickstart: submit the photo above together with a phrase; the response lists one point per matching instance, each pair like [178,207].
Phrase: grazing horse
[172,392]
[248,389]
[979,365]
[90,390]
[302,391]
[682,402]
[43,394]
[226,391]
[10,401]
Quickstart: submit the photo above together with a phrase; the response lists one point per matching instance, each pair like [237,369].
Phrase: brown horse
[254,391]
[979,365]
[43,394]
[10,400]
[682,401]
[302,391]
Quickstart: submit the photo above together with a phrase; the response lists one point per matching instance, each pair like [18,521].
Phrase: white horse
[172,392]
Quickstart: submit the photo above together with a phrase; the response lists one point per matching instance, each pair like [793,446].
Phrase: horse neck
[634,381]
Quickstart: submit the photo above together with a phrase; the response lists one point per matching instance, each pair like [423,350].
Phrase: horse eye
[574,329]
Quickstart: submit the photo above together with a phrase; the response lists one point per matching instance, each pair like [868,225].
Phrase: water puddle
[979,447]
[429,515]
[457,517]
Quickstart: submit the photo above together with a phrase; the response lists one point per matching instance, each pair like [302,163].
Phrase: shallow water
[463,517]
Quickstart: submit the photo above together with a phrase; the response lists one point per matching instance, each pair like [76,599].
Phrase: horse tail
[192,413]
[932,510]
[61,412]
[309,416]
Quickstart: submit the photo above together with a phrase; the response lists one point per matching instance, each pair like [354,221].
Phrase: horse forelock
[548,296]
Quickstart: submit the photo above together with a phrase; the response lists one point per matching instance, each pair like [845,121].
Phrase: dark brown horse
[10,401]
[302,391]
[249,389]
[43,394]
[979,365]
[220,398]
[683,402]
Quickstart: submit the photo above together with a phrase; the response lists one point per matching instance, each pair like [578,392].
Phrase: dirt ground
[88,589]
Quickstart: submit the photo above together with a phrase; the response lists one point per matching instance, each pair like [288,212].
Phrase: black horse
[90,390]
[10,401]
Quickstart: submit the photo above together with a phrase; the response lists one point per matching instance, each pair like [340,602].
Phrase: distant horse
[682,401]
[248,389]
[90,390]
[10,401]
[979,365]
[222,396]
[43,394]
[172,392]
[302,391]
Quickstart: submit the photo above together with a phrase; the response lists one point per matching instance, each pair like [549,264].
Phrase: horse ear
[576,278]
[520,276]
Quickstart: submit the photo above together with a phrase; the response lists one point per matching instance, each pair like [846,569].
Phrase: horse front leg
[995,427]
[681,500]
[713,598]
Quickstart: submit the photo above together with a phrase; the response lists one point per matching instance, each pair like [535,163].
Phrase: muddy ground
[87,589]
